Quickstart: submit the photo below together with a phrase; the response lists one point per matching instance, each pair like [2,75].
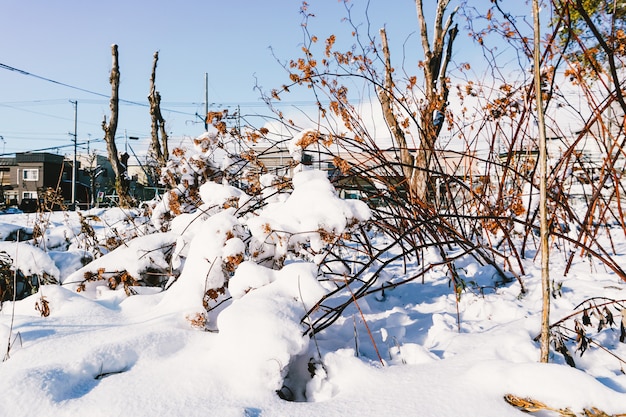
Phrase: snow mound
[260,333]
[30,259]
[312,215]
[135,257]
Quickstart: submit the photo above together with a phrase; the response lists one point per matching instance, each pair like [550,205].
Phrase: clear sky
[69,41]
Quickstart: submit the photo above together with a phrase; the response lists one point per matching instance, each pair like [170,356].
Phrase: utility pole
[74,170]
[2,199]
[206,101]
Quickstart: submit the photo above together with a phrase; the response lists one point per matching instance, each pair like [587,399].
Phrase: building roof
[38,157]
[7,162]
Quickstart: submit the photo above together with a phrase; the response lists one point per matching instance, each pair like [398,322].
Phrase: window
[30,174]
[29,195]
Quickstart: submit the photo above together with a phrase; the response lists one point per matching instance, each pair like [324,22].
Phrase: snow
[103,352]
[312,207]
[10,231]
[30,259]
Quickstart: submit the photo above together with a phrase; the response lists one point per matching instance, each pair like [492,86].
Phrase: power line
[35,112]
[30,74]
[174,104]
[257,103]
[52,148]
[45,102]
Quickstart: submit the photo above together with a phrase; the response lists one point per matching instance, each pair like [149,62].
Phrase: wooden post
[543,208]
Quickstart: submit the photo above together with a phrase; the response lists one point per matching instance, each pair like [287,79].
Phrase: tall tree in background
[594,40]
[158,149]
[406,106]
[436,90]
[121,176]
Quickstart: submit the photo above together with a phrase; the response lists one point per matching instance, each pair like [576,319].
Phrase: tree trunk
[159,150]
[417,167]
[386,98]
[608,50]
[121,176]
[436,59]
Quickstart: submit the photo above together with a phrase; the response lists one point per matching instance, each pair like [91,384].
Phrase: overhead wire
[134,103]
[84,90]
[51,148]
[144,104]
[35,112]
[30,74]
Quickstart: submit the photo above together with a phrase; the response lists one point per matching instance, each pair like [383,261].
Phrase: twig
[9,344]
[382,362]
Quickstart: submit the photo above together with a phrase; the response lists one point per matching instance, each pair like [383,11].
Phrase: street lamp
[126,137]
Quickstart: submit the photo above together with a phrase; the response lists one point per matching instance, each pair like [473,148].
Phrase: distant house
[446,166]
[5,177]
[585,152]
[25,178]
[26,175]
[96,173]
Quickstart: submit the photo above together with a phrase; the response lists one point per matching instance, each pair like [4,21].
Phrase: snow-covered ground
[102,352]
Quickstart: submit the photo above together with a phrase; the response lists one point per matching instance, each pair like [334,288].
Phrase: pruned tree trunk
[122,182]
[158,149]
[543,208]
[417,164]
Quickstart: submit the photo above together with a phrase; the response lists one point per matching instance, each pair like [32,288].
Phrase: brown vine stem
[9,344]
[369,332]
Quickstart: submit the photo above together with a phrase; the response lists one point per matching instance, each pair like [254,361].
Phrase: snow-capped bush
[308,223]
[310,220]
[260,263]
[142,261]
[23,268]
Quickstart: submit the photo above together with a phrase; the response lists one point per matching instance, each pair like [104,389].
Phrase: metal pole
[206,101]
[74,170]
[2,199]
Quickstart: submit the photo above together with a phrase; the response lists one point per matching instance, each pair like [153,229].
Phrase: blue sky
[69,41]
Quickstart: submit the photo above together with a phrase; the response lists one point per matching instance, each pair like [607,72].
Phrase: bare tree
[159,150]
[592,40]
[110,129]
[436,58]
